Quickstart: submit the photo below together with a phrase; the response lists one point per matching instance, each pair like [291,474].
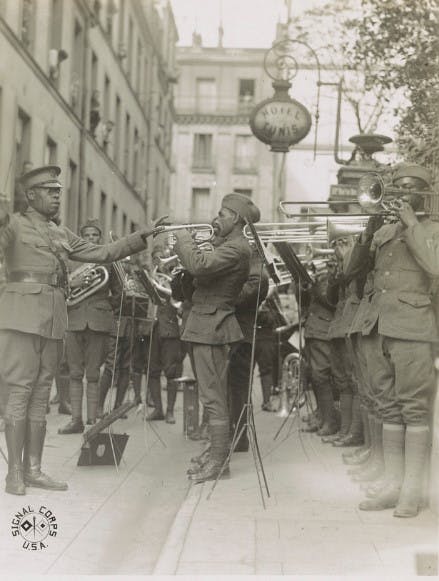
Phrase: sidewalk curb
[169,557]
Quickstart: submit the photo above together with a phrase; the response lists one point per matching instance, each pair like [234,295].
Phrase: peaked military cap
[92,223]
[42,177]
[243,206]
[412,170]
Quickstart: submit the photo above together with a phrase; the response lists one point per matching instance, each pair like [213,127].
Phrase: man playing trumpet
[33,316]
[401,325]
[211,327]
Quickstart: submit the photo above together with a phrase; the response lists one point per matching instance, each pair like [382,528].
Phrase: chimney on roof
[220,35]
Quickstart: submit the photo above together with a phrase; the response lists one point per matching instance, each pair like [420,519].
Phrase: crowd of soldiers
[370,330]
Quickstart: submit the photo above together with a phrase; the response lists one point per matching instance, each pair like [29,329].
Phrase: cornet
[202,232]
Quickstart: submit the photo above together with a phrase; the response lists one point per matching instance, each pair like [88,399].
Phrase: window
[117,131]
[245,153]
[126,162]
[202,152]
[124,224]
[136,157]
[133,227]
[27,23]
[200,204]
[55,30]
[139,59]
[129,61]
[103,211]
[90,199]
[22,141]
[114,215]
[75,84]
[243,191]
[206,95]
[50,152]
[72,196]
[246,92]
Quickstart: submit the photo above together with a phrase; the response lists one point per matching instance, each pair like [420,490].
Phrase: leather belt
[27,276]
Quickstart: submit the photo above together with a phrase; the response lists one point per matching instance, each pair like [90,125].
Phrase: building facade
[88,86]
[215,151]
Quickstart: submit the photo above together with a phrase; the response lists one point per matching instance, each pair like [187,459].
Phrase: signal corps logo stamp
[34,527]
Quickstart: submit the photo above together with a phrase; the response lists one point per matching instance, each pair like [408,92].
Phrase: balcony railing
[213,106]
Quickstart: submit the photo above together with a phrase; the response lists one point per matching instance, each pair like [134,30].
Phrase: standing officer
[89,324]
[33,316]
[402,327]
[211,326]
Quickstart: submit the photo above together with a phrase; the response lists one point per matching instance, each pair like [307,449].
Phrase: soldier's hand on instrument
[156,228]
[374,223]
[406,214]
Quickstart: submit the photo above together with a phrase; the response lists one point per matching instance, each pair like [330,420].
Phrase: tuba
[86,280]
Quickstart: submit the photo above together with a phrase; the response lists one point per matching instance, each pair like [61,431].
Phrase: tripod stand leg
[251,424]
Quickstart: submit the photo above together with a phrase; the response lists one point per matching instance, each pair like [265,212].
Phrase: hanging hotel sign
[280,122]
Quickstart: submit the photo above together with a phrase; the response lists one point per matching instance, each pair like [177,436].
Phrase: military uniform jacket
[218,279]
[320,312]
[37,308]
[94,312]
[404,270]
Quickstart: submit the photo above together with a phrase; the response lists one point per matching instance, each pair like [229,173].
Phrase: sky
[246,23]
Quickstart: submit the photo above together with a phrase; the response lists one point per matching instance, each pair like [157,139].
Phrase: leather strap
[28,276]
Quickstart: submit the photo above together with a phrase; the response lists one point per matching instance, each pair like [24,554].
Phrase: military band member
[318,349]
[33,316]
[255,288]
[89,324]
[211,326]
[402,326]
[339,292]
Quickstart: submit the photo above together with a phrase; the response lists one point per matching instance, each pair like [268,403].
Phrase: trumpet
[202,232]
[312,253]
[85,281]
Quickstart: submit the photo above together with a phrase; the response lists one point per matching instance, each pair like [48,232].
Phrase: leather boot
[76,390]
[75,426]
[155,389]
[354,437]
[92,402]
[62,388]
[417,449]
[351,455]
[326,399]
[137,383]
[171,397]
[267,388]
[33,451]
[104,386]
[219,438]
[15,431]
[374,467]
[198,462]
[122,386]
[393,452]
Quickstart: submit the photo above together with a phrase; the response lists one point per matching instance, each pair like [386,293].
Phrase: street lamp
[281,121]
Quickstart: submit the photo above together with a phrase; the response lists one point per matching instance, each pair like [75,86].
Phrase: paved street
[146,518]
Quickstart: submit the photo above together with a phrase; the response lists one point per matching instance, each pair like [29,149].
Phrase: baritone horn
[85,281]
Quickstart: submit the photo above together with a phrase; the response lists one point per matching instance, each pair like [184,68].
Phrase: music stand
[303,281]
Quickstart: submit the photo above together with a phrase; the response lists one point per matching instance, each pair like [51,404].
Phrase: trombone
[295,233]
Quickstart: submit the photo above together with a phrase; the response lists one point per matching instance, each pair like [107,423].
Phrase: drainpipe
[85,101]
